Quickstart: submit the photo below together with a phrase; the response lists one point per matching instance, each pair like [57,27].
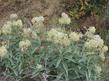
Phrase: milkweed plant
[60,56]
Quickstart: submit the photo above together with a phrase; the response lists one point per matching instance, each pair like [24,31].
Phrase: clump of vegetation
[80,8]
[60,56]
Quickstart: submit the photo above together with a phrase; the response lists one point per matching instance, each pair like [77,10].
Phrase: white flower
[96,37]
[73,36]
[94,42]
[89,34]
[5,43]
[29,33]
[51,34]
[38,24]
[34,35]
[105,48]
[65,41]
[64,15]
[102,56]
[6,29]
[98,69]
[92,29]
[13,16]
[58,37]
[39,66]
[3,51]
[17,23]
[37,19]
[26,32]
[24,45]
[64,19]
[91,44]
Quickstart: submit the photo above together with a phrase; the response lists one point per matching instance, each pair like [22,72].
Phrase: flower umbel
[29,33]
[74,36]
[24,45]
[58,37]
[65,19]
[98,69]
[7,29]
[3,51]
[13,17]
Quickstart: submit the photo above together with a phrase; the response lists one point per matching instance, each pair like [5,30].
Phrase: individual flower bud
[3,51]
[92,29]
[64,19]
[98,69]
[13,17]
[64,15]
[39,66]
[24,45]
[73,36]
[105,49]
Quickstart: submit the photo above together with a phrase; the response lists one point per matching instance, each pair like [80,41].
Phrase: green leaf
[58,62]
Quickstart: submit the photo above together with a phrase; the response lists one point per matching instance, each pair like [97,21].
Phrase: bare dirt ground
[29,8]
[47,8]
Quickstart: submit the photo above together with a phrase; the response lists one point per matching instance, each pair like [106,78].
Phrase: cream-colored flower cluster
[15,26]
[94,41]
[38,23]
[6,29]
[90,32]
[98,69]
[58,37]
[74,36]
[65,19]
[24,45]
[39,66]
[12,24]
[38,19]
[29,33]
[3,51]
[13,17]
[63,38]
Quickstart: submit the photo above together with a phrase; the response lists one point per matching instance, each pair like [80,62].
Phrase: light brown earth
[29,8]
